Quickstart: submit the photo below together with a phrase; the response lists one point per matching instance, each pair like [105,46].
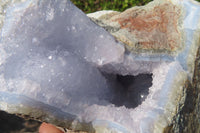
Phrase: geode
[131,76]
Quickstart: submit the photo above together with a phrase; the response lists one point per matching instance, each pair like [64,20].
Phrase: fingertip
[49,128]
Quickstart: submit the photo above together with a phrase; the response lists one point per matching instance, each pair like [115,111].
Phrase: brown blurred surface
[10,123]
[17,123]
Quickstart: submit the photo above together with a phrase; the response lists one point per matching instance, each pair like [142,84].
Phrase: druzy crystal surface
[58,65]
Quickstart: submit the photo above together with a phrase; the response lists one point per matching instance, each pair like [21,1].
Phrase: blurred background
[89,6]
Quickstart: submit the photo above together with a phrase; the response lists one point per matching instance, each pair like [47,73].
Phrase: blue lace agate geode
[58,65]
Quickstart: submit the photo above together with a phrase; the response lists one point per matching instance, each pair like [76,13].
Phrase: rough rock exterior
[155,27]
[59,66]
[188,116]
[172,35]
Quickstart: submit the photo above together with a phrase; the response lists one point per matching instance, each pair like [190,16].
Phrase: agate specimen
[59,66]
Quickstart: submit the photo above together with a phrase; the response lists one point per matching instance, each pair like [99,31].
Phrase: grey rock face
[46,52]
[59,66]
[188,116]
[50,52]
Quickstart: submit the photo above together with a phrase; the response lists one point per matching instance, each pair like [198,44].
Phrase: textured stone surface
[155,27]
[188,116]
[59,66]
[175,39]
[18,123]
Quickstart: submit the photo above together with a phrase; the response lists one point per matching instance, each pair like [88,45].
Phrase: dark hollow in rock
[130,91]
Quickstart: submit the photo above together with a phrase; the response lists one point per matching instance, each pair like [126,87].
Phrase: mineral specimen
[153,27]
[59,66]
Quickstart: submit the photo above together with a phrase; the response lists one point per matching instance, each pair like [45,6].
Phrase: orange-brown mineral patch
[155,28]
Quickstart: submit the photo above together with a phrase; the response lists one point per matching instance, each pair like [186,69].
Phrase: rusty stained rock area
[153,27]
